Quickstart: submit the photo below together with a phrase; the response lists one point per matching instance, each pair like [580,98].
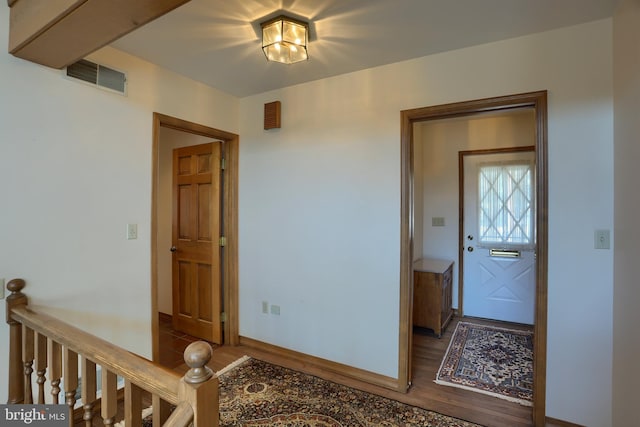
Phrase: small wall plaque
[272,115]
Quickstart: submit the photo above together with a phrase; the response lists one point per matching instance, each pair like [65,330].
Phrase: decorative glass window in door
[506,205]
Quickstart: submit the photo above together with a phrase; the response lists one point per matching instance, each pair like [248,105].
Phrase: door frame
[537,101]
[230,151]
[461,233]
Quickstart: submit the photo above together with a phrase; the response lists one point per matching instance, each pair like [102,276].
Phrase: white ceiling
[217,41]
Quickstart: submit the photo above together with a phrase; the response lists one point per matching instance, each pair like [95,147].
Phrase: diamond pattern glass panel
[506,205]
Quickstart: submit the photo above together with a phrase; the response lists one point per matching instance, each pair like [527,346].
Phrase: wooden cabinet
[57,33]
[432,294]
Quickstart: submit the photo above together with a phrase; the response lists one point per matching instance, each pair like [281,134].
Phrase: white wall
[170,139]
[626,339]
[75,168]
[320,205]
[440,142]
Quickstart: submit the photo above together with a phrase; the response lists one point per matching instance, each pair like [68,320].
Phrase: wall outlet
[1,288]
[265,307]
[275,309]
[437,221]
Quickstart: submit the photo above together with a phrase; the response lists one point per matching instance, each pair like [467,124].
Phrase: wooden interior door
[196,251]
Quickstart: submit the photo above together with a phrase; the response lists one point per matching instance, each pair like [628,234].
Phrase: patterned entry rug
[490,360]
[255,393]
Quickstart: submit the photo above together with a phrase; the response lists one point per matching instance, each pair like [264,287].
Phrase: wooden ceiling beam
[57,33]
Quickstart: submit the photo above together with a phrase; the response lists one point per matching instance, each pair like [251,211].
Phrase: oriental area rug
[490,360]
[254,393]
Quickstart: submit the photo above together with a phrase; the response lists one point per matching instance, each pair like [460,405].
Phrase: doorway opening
[537,102]
[229,220]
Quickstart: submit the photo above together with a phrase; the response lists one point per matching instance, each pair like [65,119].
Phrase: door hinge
[223,317]
[223,163]
[222,241]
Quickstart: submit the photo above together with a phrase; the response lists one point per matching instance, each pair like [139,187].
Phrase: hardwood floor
[172,343]
[428,352]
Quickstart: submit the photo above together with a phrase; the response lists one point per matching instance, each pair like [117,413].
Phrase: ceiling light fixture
[285,40]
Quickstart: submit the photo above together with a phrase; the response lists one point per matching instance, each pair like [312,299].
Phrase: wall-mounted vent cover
[98,75]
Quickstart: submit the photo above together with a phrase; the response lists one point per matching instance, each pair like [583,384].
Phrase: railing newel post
[16,366]
[199,386]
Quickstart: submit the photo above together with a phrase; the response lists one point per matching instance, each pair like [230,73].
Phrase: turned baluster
[16,371]
[70,380]
[199,386]
[88,390]
[55,368]
[27,358]
[109,398]
[41,365]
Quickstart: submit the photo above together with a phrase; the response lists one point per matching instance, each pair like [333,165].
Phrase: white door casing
[499,266]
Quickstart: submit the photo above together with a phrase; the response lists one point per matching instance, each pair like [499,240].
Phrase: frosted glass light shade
[285,40]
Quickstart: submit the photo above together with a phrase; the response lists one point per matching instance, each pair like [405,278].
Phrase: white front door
[499,279]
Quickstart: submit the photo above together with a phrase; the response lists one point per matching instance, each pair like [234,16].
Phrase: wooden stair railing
[69,353]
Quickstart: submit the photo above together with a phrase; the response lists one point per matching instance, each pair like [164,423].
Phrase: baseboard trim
[559,423]
[326,365]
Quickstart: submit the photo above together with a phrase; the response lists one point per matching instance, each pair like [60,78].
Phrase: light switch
[132,231]
[601,239]
[437,221]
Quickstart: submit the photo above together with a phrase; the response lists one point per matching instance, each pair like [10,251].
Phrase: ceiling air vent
[98,75]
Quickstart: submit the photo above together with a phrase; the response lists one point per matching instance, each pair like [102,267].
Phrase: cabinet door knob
[470,248]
